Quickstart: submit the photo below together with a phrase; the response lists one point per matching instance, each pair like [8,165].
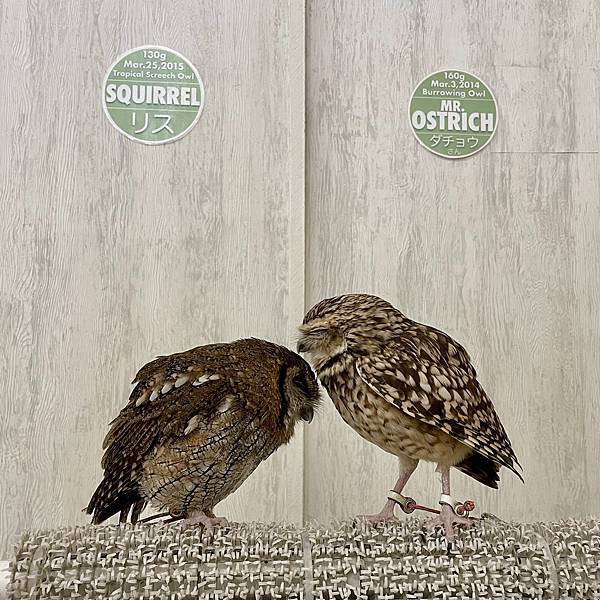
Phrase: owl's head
[358,322]
[299,391]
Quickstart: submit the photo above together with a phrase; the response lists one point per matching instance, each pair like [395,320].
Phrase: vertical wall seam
[305,249]
[296,225]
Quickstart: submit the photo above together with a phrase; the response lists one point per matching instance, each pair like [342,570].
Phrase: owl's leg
[407,467]
[206,518]
[447,517]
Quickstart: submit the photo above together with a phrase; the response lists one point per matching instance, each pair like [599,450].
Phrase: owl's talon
[209,523]
[448,519]
[385,516]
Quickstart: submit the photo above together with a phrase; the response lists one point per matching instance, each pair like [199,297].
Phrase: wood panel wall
[114,252]
[501,250]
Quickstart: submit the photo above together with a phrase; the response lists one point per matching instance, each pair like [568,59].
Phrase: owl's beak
[307,413]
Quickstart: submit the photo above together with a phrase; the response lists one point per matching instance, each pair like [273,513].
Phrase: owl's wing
[161,406]
[429,377]
[169,394]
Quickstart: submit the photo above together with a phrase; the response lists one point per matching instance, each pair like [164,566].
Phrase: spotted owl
[408,388]
[197,424]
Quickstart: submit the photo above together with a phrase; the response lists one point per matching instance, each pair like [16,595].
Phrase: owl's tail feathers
[481,468]
[111,498]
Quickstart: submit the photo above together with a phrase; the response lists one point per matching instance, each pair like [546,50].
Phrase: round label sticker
[453,113]
[153,95]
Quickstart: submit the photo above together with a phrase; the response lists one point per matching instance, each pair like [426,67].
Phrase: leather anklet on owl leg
[447,517]
[387,512]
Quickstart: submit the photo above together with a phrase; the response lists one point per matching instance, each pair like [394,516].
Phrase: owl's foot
[448,519]
[385,516]
[206,519]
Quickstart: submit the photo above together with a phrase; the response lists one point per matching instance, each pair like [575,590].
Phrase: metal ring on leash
[409,505]
[462,509]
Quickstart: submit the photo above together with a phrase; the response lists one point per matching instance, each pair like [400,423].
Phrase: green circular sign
[453,113]
[153,95]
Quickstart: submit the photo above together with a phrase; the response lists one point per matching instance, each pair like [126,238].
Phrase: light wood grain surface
[500,250]
[114,252]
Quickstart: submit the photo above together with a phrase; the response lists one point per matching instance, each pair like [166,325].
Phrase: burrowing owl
[410,389]
[197,424]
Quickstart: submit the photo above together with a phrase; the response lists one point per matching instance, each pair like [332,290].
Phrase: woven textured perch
[492,560]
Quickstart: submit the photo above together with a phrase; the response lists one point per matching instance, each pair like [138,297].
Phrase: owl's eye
[301,383]
[319,331]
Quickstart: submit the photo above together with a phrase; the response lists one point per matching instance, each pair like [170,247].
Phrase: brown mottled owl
[410,389]
[197,424]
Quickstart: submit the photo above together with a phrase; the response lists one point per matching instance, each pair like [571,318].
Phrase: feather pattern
[429,377]
[407,387]
[198,423]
